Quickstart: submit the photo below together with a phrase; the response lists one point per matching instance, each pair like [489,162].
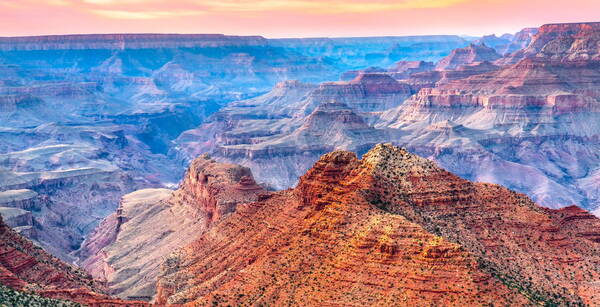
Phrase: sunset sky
[293,18]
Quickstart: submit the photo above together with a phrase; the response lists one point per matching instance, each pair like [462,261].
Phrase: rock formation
[26,267]
[404,69]
[128,247]
[389,229]
[468,55]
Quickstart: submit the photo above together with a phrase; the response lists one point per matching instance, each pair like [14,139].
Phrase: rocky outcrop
[566,42]
[468,55]
[26,267]
[368,92]
[388,229]
[127,248]
[216,189]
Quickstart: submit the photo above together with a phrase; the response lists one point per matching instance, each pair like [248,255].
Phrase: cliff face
[26,267]
[388,229]
[127,248]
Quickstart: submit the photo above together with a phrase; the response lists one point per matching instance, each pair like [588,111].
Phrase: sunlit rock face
[385,230]
[128,247]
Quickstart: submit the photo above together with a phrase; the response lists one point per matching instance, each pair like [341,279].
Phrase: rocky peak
[217,188]
[402,66]
[373,78]
[470,54]
[379,84]
[352,74]
[325,174]
[327,115]
[389,158]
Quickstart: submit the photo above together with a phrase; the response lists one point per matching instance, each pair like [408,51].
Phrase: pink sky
[291,18]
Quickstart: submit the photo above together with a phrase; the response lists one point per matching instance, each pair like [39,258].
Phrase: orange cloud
[117,14]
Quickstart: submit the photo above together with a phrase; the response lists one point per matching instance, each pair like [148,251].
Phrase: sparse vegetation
[12,298]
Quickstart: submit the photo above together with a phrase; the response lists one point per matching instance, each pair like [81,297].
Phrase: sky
[290,18]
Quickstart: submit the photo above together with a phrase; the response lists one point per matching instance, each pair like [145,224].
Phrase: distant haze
[288,18]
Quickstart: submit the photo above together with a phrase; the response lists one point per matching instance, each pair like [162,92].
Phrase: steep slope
[26,267]
[389,229]
[129,245]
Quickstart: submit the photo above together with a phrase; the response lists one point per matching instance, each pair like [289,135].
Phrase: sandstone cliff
[128,246]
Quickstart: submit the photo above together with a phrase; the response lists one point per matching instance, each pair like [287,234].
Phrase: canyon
[86,119]
[388,229]
[526,120]
[296,192]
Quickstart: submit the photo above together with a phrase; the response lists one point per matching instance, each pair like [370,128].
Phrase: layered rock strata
[389,229]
